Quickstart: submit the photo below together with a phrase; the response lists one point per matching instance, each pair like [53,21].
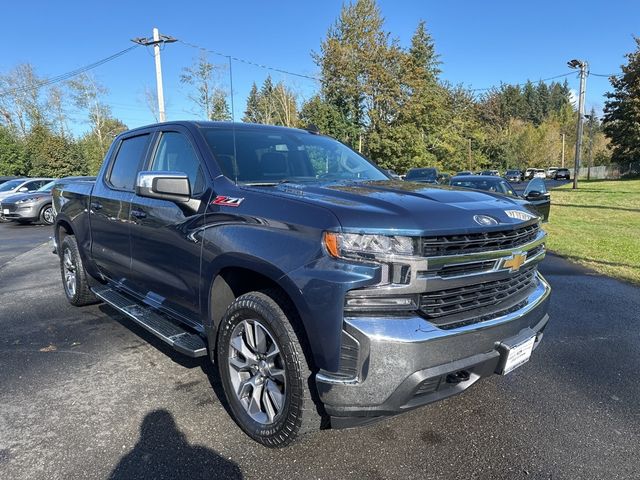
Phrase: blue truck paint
[275,232]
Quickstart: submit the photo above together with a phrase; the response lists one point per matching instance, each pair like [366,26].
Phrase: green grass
[598,226]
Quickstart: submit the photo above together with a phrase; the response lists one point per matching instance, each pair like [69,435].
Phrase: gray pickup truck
[326,292]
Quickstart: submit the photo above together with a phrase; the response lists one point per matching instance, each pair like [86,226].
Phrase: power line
[606,74]
[68,75]
[249,62]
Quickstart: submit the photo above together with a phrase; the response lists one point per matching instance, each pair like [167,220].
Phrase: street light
[582,65]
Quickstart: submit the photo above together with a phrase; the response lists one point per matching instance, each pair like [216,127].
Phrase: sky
[481,43]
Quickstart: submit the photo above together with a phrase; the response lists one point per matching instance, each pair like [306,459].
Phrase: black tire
[74,276]
[299,414]
[46,215]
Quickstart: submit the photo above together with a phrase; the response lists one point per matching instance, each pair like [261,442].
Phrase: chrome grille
[478,242]
[450,302]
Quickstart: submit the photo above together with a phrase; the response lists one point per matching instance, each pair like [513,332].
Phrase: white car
[551,171]
[21,185]
[539,173]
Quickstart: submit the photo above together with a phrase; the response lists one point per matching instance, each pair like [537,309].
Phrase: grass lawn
[598,226]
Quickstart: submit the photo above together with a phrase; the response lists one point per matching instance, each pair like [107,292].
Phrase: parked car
[443,178]
[562,174]
[535,197]
[32,206]
[21,185]
[529,172]
[422,175]
[490,172]
[464,172]
[550,172]
[326,293]
[6,178]
[513,176]
[392,174]
[539,173]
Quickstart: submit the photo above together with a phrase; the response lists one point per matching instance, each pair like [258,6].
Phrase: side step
[182,340]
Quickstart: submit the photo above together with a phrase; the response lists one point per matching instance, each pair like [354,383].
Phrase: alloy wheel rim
[48,215]
[257,372]
[69,273]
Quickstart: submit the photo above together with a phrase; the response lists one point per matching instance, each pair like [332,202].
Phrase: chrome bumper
[396,354]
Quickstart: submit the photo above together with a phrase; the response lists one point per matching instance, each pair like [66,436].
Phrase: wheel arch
[233,279]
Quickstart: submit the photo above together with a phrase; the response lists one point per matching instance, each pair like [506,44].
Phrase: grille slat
[478,242]
[435,305]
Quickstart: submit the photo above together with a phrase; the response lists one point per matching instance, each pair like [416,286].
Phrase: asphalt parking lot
[86,394]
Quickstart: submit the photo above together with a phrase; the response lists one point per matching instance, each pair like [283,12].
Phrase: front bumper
[28,211]
[407,362]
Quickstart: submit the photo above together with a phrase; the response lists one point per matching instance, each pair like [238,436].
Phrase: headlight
[364,246]
[27,200]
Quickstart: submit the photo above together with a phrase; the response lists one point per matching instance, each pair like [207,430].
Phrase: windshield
[422,174]
[47,187]
[269,157]
[10,185]
[498,186]
[513,172]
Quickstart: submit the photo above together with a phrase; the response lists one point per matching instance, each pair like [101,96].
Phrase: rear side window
[125,167]
[175,154]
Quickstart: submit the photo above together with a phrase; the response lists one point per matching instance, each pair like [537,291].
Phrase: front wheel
[74,276]
[46,215]
[264,372]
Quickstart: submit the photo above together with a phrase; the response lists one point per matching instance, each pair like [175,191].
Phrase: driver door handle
[139,213]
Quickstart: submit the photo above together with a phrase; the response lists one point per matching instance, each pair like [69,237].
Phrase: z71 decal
[228,201]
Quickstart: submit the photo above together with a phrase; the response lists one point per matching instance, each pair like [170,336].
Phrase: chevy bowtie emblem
[515,261]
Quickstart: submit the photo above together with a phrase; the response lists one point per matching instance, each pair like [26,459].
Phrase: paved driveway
[86,394]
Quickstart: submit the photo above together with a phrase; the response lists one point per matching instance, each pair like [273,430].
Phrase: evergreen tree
[252,112]
[622,111]
[13,160]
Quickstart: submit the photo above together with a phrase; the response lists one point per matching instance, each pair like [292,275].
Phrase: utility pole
[563,135]
[583,65]
[469,154]
[156,40]
[592,120]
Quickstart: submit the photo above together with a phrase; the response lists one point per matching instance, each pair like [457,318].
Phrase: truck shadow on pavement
[163,451]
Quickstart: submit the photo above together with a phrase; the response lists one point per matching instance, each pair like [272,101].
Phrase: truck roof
[216,124]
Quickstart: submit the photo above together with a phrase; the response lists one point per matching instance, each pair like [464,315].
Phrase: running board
[182,340]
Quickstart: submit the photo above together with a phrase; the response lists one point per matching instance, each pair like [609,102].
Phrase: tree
[209,98]
[87,94]
[621,121]
[91,145]
[272,105]
[21,104]
[13,160]
[52,155]
[252,112]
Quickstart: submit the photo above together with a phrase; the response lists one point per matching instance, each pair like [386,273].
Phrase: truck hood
[404,207]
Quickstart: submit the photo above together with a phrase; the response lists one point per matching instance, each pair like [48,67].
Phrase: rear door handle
[96,205]
[139,213]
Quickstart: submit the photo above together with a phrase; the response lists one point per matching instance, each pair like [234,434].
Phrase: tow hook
[457,377]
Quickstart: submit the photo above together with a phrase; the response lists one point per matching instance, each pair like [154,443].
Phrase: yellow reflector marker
[331,242]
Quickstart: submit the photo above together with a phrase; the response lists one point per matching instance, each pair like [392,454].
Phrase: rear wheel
[264,371]
[74,276]
[46,215]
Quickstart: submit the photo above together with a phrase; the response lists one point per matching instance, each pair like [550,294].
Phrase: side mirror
[533,194]
[172,186]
